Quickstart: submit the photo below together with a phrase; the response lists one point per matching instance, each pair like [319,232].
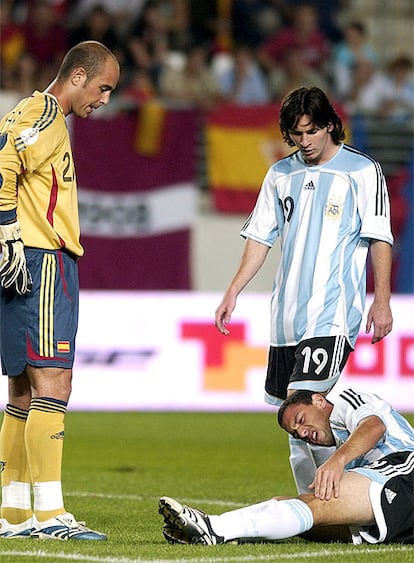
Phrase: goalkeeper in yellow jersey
[39,291]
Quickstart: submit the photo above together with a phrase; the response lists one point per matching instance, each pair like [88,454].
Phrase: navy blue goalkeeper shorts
[40,328]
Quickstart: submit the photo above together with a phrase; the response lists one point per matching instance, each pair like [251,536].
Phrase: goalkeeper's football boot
[64,527]
[12,531]
[184,524]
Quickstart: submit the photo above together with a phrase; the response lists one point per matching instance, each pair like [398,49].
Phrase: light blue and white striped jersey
[324,216]
[352,406]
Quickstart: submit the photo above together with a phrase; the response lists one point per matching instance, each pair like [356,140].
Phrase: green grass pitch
[116,465]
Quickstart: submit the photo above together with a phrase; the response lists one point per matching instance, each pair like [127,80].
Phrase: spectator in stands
[139,89]
[11,47]
[303,33]
[193,84]
[177,15]
[253,21]
[211,24]
[223,37]
[398,93]
[243,81]
[382,94]
[123,12]
[347,54]
[329,13]
[203,21]
[366,93]
[294,74]
[46,42]
[147,45]
[98,25]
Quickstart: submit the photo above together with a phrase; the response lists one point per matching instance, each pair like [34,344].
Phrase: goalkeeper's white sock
[271,520]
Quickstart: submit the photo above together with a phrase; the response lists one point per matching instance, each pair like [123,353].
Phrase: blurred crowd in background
[203,52]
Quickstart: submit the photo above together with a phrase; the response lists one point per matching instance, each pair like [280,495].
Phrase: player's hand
[379,317]
[327,479]
[223,314]
[14,274]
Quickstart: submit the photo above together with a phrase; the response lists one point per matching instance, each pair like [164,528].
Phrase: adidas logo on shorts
[389,495]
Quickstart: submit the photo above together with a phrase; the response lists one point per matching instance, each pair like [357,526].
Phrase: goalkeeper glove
[13,269]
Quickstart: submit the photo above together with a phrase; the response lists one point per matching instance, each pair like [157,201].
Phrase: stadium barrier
[160,351]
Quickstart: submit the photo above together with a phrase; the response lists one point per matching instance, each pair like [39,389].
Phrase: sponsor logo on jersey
[29,136]
[58,435]
[309,186]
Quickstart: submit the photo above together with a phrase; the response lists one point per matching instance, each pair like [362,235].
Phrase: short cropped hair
[89,55]
[301,397]
[313,102]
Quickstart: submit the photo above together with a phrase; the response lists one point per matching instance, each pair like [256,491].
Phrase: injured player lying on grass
[363,492]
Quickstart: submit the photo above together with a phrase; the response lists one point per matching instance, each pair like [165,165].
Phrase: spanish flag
[242,142]
[63,346]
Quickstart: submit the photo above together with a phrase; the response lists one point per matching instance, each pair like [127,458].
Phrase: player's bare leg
[274,519]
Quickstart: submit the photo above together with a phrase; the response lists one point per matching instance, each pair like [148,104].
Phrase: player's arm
[253,257]
[10,168]
[379,314]
[14,274]
[374,209]
[364,438]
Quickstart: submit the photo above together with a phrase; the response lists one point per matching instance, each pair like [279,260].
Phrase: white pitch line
[326,554]
[78,557]
[149,497]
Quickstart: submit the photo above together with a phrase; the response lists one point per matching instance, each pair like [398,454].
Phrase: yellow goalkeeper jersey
[37,174]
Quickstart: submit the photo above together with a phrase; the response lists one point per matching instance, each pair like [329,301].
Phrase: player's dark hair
[89,55]
[301,397]
[313,102]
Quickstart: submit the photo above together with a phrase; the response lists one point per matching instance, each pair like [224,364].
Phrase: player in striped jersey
[367,483]
[39,293]
[327,204]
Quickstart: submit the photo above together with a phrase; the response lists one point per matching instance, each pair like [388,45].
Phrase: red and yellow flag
[242,142]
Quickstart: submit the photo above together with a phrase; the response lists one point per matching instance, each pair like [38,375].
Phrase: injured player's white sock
[302,464]
[321,453]
[272,520]
[304,459]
